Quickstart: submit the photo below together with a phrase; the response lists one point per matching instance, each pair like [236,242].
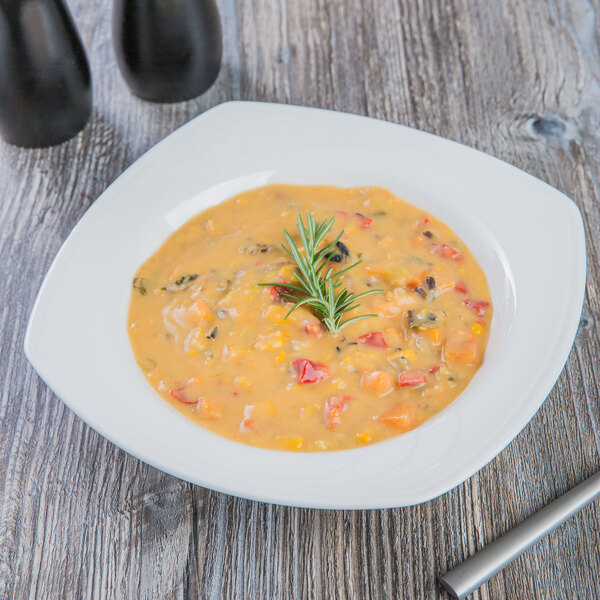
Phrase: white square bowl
[77,338]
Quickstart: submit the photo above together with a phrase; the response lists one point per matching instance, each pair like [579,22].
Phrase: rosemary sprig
[319,287]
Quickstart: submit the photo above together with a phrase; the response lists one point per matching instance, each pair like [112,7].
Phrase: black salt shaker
[45,84]
[167,50]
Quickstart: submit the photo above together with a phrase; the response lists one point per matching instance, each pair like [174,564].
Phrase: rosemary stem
[321,292]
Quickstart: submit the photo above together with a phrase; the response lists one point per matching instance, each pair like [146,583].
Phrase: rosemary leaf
[318,286]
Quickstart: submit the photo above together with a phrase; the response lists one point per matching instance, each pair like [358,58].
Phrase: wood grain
[79,518]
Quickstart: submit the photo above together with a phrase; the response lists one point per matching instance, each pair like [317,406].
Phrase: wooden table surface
[79,518]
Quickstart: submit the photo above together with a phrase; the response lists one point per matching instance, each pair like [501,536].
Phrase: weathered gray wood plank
[79,518]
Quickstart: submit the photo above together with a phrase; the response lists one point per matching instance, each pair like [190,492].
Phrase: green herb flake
[183,283]
[139,284]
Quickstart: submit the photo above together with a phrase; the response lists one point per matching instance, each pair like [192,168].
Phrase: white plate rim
[243,110]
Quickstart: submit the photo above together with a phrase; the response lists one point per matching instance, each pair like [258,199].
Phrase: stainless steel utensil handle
[469,575]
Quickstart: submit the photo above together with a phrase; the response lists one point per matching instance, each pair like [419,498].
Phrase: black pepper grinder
[167,50]
[45,84]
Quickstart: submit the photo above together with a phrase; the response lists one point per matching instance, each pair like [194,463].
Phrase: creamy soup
[222,349]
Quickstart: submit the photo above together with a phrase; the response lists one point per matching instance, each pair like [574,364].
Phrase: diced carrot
[334,406]
[461,287]
[401,416]
[446,251]
[477,306]
[210,408]
[388,309]
[377,382]
[412,379]
[434,335]
[379,269]
[416,279]
[310,372]
[372,339]
[199,311]
[460,348]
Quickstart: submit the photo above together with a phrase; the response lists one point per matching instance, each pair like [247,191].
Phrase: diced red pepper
[313,329]
[423,221]
[179,394]
[334,407]
[461,287]
[372,339]
[310,372]
[277,292]
[435,368]
[446,251]
[411,379]
[365,222]
[478,306]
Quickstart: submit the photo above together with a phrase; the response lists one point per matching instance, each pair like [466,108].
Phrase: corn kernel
[364,437]
[408,354]
[266,408]
[290,442]
[243,383]
[195,341]
[274,313]
[236,351]
[387,241]
[445,372]
[477,329]
[339,384]
[306,412]
[286,272]
[280,357]
[270,341]
[210,225]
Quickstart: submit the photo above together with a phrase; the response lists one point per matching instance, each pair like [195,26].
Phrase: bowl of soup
[166,324]
[228,351]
